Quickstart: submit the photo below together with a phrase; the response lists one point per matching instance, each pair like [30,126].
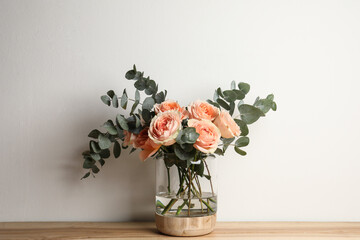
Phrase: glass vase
[186,195]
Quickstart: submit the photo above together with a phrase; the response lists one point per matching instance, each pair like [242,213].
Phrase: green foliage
[250,114]
[94,134]
[105,153]
[243,127]
[110,127]
[148,103]
[86,175]
[94,146]
[266,104]
[244,87]
[187,136]
[226,143]
[124,100]
[182,153]
[239,151]
[223,104]
[242,142]
[122,122]
[117,149]
[105,99]
[213,103]
[104,141]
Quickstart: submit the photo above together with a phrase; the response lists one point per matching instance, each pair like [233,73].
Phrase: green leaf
[104,142]
[85,176]
[151,87]
[94,133]
[111,93]
[242,142]
[95,169]
[115,101]
[273,106]
[102,162]
[148,103]
[216,96]
[137,95]
[264,104]
[218,151]
[219,92]
[270,97]
[199,169]
[233,85]
[213,103]
[110,128]
[117,149]
[137,121]
[105,99]
[88,163]
[244,87]
[105,153]
[187,135]
[136,103]
[124,99]
[239,151]
[223,104]
[160,97]
[208,177]
[181,154]
[122,122]
[130,75]
[226,143]
[95,146]
[95,156]
[250,114]
[239,94]
[146,115]
[229,95]
[243,127]
[232,108]
[140,84]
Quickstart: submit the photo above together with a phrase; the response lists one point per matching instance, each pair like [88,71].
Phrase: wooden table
[147,230]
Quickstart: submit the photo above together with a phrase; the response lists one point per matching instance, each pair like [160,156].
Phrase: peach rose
[202,110]
[129,138]
[227,125]
[171,105]
[165,127]
[209,137]
[143,141]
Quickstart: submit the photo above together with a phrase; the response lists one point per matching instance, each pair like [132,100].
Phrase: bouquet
[183,137]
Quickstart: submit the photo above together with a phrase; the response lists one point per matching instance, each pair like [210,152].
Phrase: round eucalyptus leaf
[148,103]
[111,93]
[105,99]
[122,122]
[242,142]
[250,114]
[104,142]
[244,87]
[130,75]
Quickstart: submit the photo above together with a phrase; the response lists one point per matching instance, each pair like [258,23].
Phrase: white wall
[58,57]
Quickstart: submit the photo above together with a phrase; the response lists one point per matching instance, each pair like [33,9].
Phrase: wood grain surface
[147,230]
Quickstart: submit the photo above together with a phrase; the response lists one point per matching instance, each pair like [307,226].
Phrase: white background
[58,57]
